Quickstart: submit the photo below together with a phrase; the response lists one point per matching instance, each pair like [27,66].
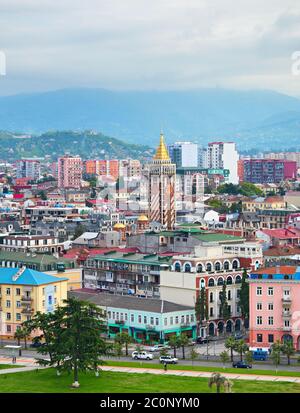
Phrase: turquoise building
[146,320]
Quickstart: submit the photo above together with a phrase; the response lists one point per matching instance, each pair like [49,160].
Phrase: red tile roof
[282,269]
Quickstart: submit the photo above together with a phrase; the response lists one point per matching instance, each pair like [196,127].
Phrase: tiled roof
[282,269]
[28,277]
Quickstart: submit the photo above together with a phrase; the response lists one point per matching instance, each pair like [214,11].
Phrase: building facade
[223,155]
[263,171]
[69,172]
[184,154]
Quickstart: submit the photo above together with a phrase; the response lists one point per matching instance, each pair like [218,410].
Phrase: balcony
[121,322]
[286,314]
[286,299]
[287,328]
[26,298]
[151,327]
[185,325]
[27,310]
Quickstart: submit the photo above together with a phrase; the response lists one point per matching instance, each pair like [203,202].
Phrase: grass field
[203,368]
[46,381]
[9,366]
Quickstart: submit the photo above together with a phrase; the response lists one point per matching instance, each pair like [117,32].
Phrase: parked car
[142,355]
[238,336]
[168,360]
[260,355]
[241,365]
[158,347]
[35,344]
[202,340]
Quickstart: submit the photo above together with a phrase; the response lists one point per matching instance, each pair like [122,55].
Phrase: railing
[286,299]
[286,314]
[27,311]
[121,322]
[26,298]
[151,327]
[287,328]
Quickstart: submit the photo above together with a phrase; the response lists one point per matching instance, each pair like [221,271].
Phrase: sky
[149,44]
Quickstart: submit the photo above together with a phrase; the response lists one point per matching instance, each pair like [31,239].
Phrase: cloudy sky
[149,44]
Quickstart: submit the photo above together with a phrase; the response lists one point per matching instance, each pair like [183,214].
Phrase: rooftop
[128,302]
[27,277]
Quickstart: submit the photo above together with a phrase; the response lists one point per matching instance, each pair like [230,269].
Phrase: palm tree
[124,338]
[194,355]
[288,350]
[174,343]
[230,344]
[183,341]
[220,381]
[241,348]
[224,358]
[19,336]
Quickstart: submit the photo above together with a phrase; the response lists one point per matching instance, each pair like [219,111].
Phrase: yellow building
[74,276]
[23,292]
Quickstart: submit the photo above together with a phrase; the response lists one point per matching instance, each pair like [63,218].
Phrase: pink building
[69,172]
[274,295]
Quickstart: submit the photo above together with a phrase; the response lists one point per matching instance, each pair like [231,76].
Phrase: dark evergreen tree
[244,296]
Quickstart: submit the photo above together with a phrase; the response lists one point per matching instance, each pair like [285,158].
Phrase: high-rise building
[223,155]
[69,172]
[102,167]
[162,175]
[184,154]
[261,171]
[28,168]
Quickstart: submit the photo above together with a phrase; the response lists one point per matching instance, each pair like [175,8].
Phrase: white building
[28,168]
[184,154]
[223,155]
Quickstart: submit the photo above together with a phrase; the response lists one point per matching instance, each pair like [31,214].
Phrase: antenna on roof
[19,273]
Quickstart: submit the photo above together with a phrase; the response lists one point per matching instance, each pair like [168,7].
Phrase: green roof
[217,237]
[30,258]
[134,258]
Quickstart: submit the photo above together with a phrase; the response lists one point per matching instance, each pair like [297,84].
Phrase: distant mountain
[254,119]
[87,144]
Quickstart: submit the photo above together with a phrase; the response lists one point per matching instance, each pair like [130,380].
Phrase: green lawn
[9,366]
[202,368]
[46,381]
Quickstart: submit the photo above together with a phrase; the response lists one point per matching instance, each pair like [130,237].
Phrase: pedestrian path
[204,374]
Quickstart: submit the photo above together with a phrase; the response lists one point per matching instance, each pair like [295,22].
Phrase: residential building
[69,172]
[146,320]
[184,154]
[31,243]
[261,171]
[274,295]
[23,293]
[223,155]
[28,168]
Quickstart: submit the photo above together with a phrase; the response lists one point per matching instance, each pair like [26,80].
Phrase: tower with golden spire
[162,175]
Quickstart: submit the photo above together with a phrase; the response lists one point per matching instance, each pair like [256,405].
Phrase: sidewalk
[189,373]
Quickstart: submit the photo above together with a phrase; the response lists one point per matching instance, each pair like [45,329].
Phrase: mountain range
[255,120]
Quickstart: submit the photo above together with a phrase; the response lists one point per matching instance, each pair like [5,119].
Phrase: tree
[248,357]
[201,308]
[163,351]
[174,343]
[194,355]
[244,296]
[288,350]
[73,339]
[224,358]
[241,348]
[124,339]
[19,336]
[118,349]
[230,344]
[275,357]
[224,307]
[220,381]
[183,341]
[42,195]
[79,230]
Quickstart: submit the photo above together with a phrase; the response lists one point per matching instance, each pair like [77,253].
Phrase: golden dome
[119,226]
[142,218]
[162,153]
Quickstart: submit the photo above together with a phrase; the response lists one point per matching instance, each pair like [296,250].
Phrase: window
[18,291]
[286,323]
[259,320]
[8,316]
[157,321]
[258,290]
[171,321]
[259,306]
[217,266]
[211,297]
[151,320]
[211,312]
[8,303]
[208,267]
[270,306]
[226,265]
[187,268]
[220,281]
[271,338]
[43,303]
[7,291]
[132,318]
[211,282]
[18,304]
[177,267]
[176,320]
[238,279]
[270,321]
[165,321]
[8,329]
[140,319]
[229,295]
[55,288]
[199,268]
[18,316]
[270,290]
[192,318]
[259,338]
[229,281]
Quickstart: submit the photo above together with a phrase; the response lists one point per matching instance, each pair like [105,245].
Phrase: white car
[168,360]
[142,355]
[158,347]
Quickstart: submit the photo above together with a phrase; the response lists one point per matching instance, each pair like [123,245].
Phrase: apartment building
[69,172]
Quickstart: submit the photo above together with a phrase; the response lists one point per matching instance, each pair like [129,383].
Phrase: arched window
[208,267]
[211,282]
[217,266]
[229,281]
[187,267]
[199,268]
[226,265]
[235,264]
[286,277]
[238,279]
[220,281]
[211,297]
[177,267]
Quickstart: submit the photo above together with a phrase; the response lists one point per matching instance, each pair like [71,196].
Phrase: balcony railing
[26,298]
[286,314]
[121,322]
[151,327]
[286,299]
[287,328]
[27,311]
